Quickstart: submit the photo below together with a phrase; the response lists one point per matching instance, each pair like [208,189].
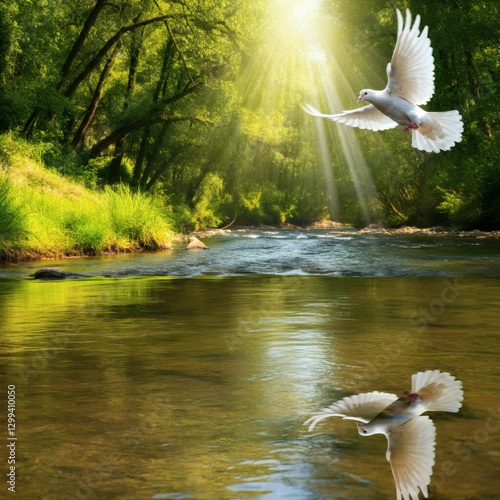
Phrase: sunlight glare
[304,15]
[305,8]
[298,67]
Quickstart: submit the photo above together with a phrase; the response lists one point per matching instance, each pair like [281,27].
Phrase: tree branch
[89,115]
[95,61]
[121,132]
[176,46]
[79,42]
[391,206]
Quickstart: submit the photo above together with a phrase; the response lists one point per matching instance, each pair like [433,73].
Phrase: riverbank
[342,229]
[46,215]
[176,241]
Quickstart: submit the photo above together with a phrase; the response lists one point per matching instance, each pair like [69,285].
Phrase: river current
[293,252]
[189,374]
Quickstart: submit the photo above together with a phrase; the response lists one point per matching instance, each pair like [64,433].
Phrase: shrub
[461,212]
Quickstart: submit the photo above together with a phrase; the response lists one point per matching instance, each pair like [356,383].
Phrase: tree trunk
[103,144]
[387,203]
[135,48]
[163,168]
[82,129]
[136,178]
[30,124]
[474,88]
[95,61]
[91,19]
[154,154]
[116,162]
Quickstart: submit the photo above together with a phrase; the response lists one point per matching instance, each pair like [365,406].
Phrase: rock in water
[54,273]
[50,273]
[195,243]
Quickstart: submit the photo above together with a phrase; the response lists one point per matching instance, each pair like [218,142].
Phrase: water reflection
[198,388]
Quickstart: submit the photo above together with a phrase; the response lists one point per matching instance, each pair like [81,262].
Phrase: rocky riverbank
[431,231]
[338,228]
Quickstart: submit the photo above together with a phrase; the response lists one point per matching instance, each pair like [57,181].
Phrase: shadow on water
[198,388]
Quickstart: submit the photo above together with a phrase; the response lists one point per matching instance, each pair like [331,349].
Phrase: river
[188,375]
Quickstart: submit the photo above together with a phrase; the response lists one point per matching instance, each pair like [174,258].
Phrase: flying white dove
[411,82]
[411,437]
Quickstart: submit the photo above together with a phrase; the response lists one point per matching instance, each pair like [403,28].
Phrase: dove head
[365,95]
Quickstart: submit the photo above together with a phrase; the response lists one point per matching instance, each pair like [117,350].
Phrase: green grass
[44,214]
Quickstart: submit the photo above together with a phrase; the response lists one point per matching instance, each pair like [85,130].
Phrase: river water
[188,375]
[292,252]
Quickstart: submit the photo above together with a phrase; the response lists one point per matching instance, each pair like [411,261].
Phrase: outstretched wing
[439,391]
[362,407]
[367,117]
[411,70]
[411,454]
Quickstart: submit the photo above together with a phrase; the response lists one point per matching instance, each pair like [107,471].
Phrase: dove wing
[362,407]
[411,454]
[411,70]
[367,117]
[439,391]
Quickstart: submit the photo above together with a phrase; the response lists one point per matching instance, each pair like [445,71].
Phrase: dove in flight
[411,437]
[411,82]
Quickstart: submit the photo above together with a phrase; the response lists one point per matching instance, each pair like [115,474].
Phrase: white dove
[411,437]
[411,82]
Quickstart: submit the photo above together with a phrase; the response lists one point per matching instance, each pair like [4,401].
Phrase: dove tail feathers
[438,132]
[438,391]
[325,413]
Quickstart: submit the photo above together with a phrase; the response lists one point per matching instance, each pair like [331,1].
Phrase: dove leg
[413,125]
[406,129]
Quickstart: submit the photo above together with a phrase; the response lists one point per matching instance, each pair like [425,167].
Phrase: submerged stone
[53,273]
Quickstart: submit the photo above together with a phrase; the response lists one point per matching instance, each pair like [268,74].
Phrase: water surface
[304,252]
[190,374]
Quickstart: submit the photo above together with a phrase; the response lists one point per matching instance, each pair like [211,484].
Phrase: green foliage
[461,212]
[16,149]
[209,201]
[266,205]
[9,31]
[185,218]
[45,214]
[212,119]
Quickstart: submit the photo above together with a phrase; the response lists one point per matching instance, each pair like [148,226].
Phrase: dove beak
[360,99]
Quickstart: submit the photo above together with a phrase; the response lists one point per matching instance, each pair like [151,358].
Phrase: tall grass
[137,217]
[11,217]
[43,214]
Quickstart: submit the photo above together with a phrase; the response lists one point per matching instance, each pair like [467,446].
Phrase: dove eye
[366,93]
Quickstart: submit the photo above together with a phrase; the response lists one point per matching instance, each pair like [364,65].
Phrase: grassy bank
[44,214]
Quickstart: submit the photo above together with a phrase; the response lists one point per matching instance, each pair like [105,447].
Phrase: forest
[196,106]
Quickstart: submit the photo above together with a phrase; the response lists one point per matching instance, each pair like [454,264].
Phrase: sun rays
[296,66]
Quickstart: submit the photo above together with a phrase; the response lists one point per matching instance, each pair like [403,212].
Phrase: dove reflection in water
[411,82]
[411,437]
